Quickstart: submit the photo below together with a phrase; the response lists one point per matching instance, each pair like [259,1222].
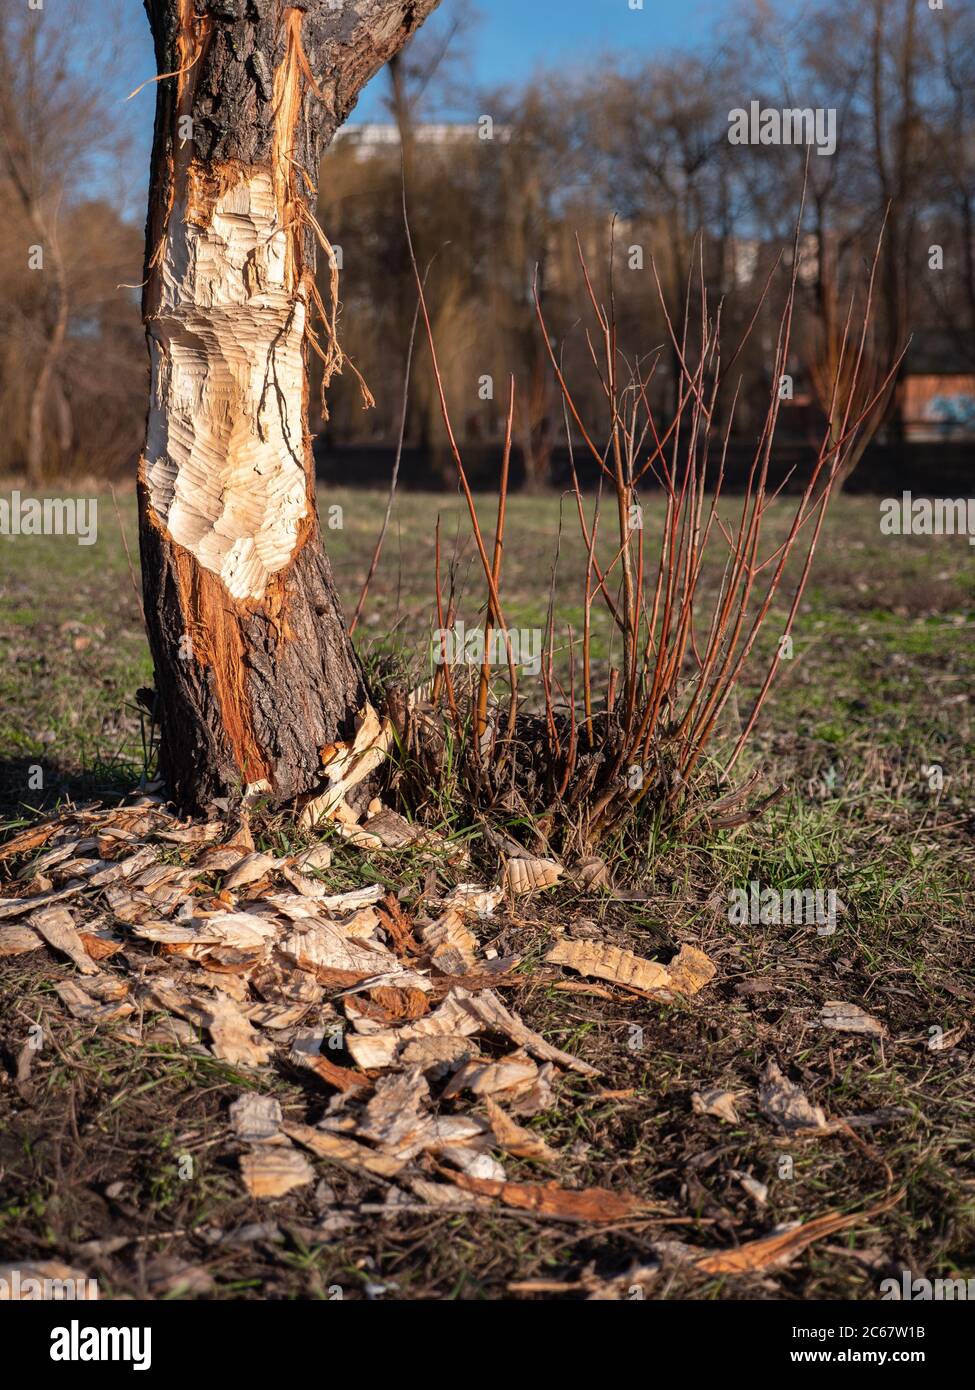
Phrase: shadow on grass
[22,801]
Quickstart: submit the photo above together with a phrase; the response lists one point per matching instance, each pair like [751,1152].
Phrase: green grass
[878,690]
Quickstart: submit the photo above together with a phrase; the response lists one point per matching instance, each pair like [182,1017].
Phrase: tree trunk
[55,329]
[254,671]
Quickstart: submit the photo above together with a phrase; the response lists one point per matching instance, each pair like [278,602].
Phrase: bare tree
[255,673]
[51,124]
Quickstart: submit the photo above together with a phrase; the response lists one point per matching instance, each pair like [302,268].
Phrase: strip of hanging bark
[595,1204]
[779,1249]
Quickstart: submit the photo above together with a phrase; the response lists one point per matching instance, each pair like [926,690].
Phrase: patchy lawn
[94,1132]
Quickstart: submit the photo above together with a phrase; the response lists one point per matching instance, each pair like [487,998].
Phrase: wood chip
[218,859]
[234,1040]
[720,1104]
[248,870]
[347,764]
[515,1139]
[688,972]
[316,857]
[452,947]
[244,931]
[306,1052]
[783,1101]
[196,833]
[437,1055]
[254,1118]
[849,1018]
[99,947]
[373,1051]
[16,940]
[301,883]
[16,907]
[29,839]
[56,925]
[95,1006]
[345,1151]
[472,897]
[529,875]
[592,874]
[393,1115]
[324,946]
[513,1074]
[273,1171]
[28,1279]
[488,1009]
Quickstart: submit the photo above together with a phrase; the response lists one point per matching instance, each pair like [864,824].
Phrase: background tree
[55,133]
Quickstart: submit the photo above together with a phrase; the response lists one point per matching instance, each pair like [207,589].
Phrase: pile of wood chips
[429,1076]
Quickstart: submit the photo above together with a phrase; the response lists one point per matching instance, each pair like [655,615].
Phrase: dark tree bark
[254,672]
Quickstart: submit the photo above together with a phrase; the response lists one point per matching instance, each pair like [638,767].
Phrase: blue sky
[509,40]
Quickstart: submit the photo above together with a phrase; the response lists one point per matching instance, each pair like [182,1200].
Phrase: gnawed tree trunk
[254,672]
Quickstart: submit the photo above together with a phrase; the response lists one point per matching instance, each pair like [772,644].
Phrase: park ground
[876,697]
